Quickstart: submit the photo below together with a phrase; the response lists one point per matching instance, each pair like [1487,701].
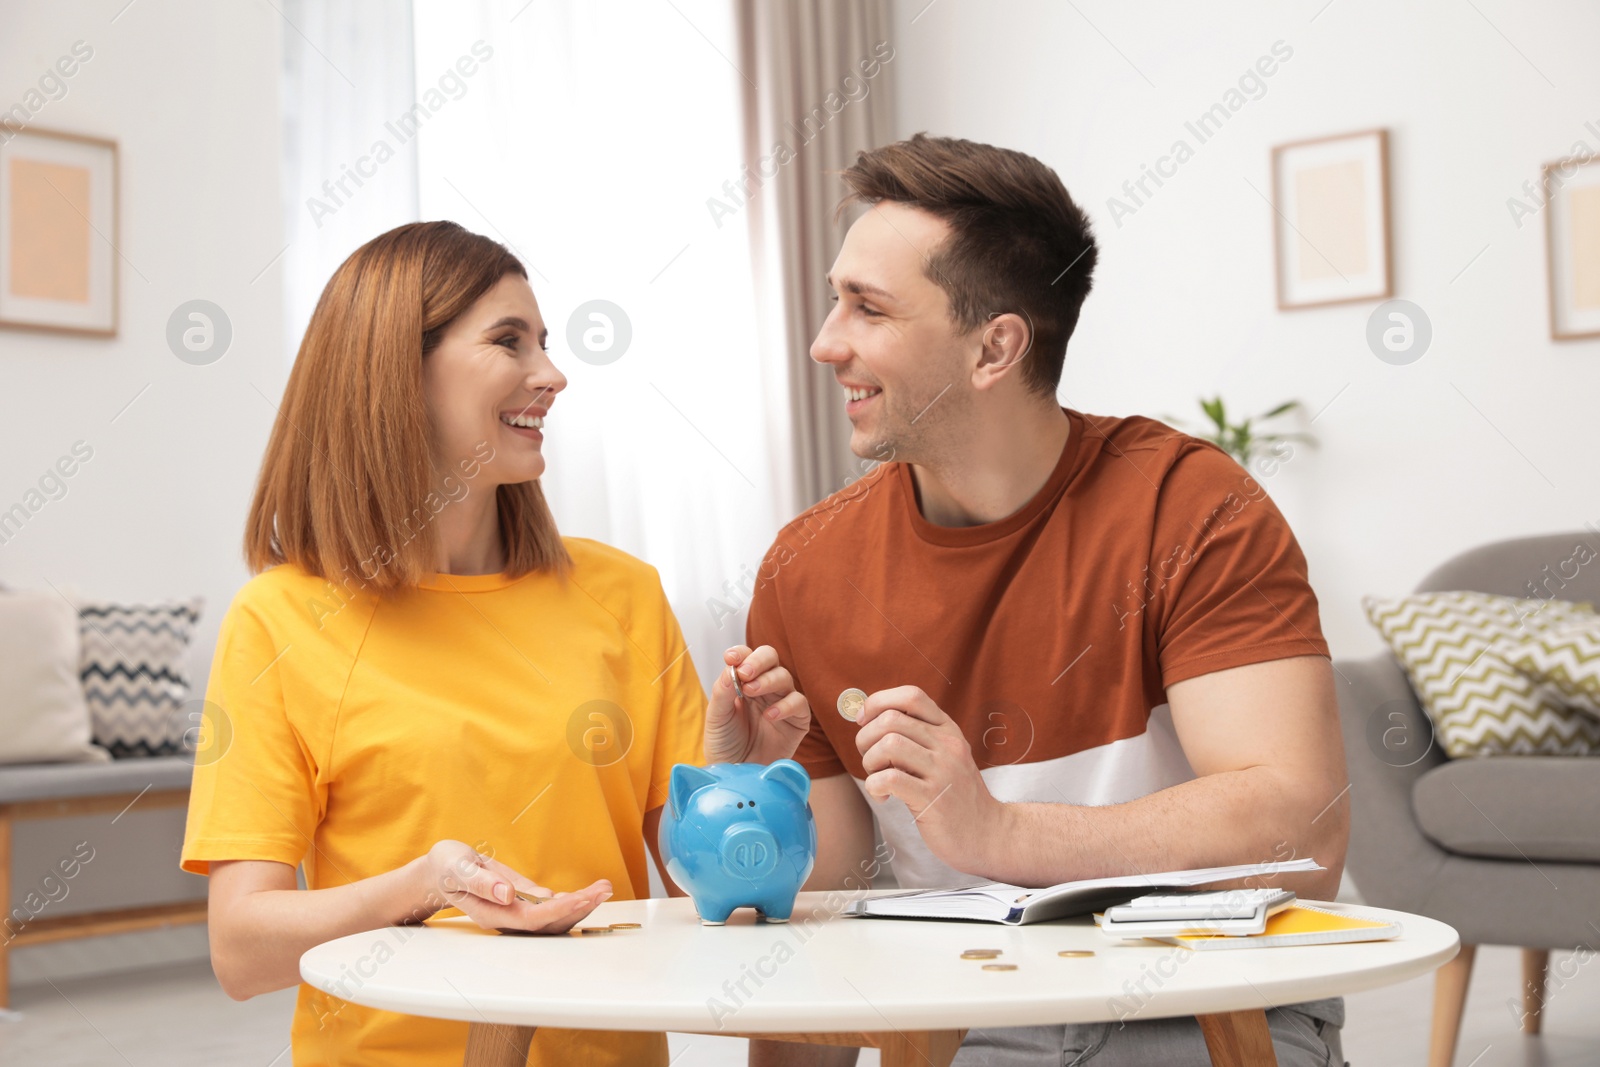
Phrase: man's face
[890,340]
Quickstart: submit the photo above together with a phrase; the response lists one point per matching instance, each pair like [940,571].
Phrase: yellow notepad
[1298,924]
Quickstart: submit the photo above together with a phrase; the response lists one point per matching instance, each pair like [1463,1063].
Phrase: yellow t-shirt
[537,719]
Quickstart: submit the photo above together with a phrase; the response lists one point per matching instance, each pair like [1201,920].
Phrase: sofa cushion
[1566,659]
[1451,645]
[42,712]
[1524,808]
[133,674]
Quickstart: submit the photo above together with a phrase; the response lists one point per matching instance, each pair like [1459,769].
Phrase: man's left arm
[1263,740]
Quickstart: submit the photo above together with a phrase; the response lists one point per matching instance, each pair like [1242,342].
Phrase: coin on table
[852,702]
[587,930]
[1075,952]
[626,926]
[999,966]
[980,954]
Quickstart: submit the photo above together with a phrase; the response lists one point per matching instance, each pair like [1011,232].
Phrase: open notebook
[1298,924]
[996,902]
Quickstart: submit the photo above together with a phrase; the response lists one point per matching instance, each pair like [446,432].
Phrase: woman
[426,696]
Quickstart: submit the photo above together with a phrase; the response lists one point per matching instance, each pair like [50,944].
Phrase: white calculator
[1223,911]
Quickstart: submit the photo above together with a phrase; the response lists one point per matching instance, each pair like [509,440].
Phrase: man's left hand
[912,750]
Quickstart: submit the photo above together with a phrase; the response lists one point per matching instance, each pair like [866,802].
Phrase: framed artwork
[58,228]
[1572,246]
[1331,220]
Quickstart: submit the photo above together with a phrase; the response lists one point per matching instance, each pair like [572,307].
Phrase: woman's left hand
[765,724]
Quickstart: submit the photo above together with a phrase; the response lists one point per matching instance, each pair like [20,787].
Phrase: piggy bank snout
[749,851]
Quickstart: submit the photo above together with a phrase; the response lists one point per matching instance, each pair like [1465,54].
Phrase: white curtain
[593,140]
[347,178]
[820,90]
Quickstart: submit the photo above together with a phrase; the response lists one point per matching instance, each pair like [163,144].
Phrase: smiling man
[1089,642]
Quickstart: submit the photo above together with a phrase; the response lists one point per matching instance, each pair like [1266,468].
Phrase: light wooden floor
[177,1017]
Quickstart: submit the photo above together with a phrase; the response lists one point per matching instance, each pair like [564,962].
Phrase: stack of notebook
[1013,905]
[996,902]
[1297,924]
[1202,911]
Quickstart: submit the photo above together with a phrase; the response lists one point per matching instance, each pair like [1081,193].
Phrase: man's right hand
[455,874]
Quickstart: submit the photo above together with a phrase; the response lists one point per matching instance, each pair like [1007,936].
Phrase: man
[1089,642]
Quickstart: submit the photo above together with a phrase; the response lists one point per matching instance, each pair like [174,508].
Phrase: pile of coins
[590,931]
[990,955]
[582,931]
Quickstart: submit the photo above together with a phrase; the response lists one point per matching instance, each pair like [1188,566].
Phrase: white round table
[896,984]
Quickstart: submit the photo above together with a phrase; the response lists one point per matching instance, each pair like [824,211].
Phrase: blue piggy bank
[738,835]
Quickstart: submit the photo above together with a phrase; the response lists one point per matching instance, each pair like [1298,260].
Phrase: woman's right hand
[457,875]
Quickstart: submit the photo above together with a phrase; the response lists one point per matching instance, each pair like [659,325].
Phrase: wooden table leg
[5,906]
[1238,1039]
[493,1045]
[1535,973]
[1450,984]
[899,1048]
[913,1049]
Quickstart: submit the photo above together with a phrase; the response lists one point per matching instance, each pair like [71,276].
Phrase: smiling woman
[354,413]
[395,688]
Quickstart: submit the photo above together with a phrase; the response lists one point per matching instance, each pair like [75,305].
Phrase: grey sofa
[1505,850]
[57,790]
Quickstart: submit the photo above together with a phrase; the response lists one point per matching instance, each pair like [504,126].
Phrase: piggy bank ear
[788,772]
[685,780]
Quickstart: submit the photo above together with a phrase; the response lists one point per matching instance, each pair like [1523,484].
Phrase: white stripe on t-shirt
[1114,773]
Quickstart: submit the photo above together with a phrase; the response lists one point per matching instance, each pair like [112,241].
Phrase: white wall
[188,89]
[1476,98]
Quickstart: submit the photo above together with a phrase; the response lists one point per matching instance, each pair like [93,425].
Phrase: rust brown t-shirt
[1149,556]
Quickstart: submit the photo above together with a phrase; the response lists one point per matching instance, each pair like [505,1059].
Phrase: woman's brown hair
[348,487]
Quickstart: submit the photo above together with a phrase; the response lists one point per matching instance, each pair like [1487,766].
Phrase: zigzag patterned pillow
[1453,647]
[1566,659]
[133,674]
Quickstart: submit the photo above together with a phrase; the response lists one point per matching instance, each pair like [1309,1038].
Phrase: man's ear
[1006,340]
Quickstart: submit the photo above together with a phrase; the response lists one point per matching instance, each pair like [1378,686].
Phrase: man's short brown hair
[1018,243]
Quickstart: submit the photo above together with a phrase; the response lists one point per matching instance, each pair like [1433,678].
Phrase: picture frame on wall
[1331,240]
[1572,246]
[58,232]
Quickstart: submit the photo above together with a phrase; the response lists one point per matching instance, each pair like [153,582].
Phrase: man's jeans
[1303,1035]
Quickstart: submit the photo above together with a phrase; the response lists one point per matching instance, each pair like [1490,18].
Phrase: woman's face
[490,382]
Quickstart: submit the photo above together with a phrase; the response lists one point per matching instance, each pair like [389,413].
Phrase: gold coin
[1075,952]
[999,966]
[626,926]
[594,930]
[531,899]
[981,952]
[851,703]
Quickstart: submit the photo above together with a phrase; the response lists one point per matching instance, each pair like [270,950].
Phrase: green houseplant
[1242,440]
